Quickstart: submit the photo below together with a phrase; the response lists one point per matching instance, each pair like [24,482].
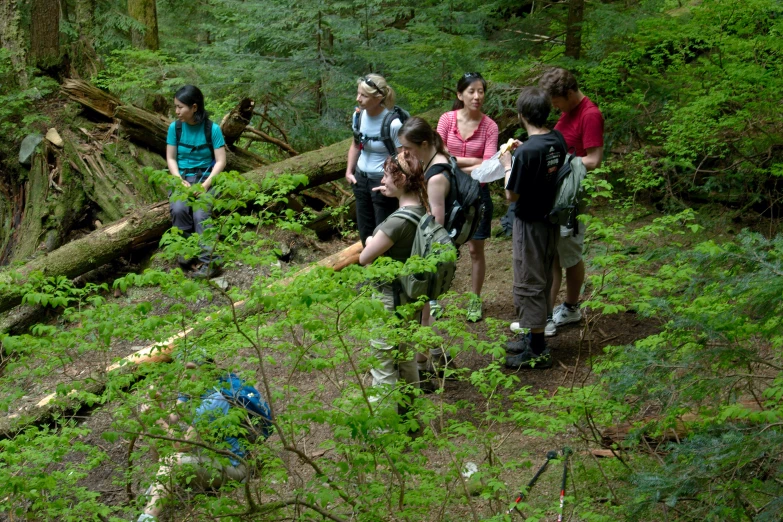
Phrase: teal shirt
[193,136]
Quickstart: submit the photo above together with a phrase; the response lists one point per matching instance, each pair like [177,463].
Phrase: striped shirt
[483,143]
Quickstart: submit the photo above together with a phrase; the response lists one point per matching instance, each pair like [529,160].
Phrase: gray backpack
[430,238]
[570,194]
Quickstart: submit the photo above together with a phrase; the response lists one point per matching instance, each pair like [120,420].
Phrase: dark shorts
[484,229]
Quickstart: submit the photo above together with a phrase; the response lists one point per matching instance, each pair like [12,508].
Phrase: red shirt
[483,143]
[582,128]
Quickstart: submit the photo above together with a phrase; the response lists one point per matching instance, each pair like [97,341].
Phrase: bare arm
[594,157]
[437,191]
[375,246]
[353,159]
[171,160]
[220,164]
[505,160]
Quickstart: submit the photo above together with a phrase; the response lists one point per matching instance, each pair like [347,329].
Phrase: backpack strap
[388,118]
[207,137]
[357,125]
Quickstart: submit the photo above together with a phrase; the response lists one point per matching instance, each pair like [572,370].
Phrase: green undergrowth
[713,367]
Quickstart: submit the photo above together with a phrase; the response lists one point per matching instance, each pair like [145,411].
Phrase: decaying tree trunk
[141,228]
[234,123]
[47,406]
[146,13]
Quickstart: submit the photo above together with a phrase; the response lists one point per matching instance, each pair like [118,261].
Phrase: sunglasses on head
[396,159]
[371,84]
[470,75]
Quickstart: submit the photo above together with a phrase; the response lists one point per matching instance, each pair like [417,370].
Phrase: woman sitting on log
[375,129]
[403,179]
[195,153]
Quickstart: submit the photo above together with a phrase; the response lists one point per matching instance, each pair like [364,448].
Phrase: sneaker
[475,310]
[144,517]
[565,315]
[551,329]
[527,359]
[522,344]
[207,271]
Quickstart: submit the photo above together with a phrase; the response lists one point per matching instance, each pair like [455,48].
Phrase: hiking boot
[565,315]
[527,359]
[207,271]
[475,310]
[551,329]
[521,345]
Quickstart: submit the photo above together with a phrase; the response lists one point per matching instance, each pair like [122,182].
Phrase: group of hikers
[401,170]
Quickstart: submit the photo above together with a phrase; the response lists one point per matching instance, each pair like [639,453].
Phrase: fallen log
[141,228]
[45,408]
[327,221]
[143,126]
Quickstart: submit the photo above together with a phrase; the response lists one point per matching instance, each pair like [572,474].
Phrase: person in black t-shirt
[530,182]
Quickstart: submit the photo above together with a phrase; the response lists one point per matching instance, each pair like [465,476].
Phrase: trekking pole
[549,456]
[566,452]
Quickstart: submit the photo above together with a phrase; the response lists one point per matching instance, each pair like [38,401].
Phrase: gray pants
[535,244]
[189,220]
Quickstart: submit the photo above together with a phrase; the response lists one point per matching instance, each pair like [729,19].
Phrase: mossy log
[50,405]
[141,228]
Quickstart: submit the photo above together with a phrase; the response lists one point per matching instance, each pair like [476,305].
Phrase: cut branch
[270,139]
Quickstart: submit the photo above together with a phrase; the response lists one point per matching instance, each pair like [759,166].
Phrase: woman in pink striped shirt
[472,137]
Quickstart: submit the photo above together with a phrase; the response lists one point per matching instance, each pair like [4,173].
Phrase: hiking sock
[537,343]
[570,306]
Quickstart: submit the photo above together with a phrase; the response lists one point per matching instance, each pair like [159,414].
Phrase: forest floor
[572,349]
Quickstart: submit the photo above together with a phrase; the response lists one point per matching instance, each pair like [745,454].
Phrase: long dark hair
[463,83]
[191,95]
[417,131]
[406,163]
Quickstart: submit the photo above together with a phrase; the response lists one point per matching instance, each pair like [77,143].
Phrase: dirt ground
[572,348]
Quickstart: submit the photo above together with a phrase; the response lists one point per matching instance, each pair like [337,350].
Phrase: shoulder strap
[408,215]
[208,137]
[388,118]
[177,134]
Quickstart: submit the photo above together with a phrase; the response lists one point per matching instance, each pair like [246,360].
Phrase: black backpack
[193,148]
[397,113]
[464,216]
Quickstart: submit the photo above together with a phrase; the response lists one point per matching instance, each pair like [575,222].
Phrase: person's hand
[185,183]
[350,177]
[207,183]
[505,160]
[381,189]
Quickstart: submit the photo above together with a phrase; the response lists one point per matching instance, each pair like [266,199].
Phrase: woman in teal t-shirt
[194,161]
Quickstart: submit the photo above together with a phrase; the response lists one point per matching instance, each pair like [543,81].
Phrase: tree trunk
[11,39]
[140,229]
[45,33]
[84,59]
[43,409]
[576,12]
[144,12]
[235,122]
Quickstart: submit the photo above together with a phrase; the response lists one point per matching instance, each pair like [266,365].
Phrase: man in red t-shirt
[582,126]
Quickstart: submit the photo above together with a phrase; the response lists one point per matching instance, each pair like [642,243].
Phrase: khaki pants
[393,363]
